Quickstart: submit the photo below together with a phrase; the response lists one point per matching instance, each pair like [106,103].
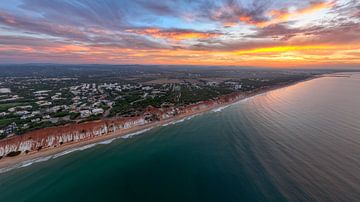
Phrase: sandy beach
[9,163]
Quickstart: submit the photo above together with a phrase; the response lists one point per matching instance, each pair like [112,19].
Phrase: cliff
[62,135]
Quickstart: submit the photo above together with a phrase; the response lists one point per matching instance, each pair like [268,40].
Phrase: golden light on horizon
[285,33]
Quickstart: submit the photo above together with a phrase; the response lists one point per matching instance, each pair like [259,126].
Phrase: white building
[97,111]
[85,113]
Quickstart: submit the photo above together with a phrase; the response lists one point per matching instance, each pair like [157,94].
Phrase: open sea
[299,143]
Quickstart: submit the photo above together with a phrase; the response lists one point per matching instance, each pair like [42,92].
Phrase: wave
[220,108]
[174,122]
[180,120]
[24,164]
[73,150]
[54,156]
[135,133]
[130,135]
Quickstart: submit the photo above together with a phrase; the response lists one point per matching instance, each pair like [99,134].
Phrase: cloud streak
[221,32]
[175,34]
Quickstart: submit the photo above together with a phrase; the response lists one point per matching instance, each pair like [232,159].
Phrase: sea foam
[219,109]
[180,120]
[135,133]
[54,156]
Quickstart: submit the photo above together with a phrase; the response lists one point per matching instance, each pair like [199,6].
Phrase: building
[10,129]
[97,111]
[85,113]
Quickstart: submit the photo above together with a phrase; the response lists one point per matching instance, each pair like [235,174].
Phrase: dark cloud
[128,41]
[283,32]
[345,33]
[40,26]
[158,7]
[26,41]
[232,11]
[234,45]
[340,32]
[104,13]
[72,33]
[171,28]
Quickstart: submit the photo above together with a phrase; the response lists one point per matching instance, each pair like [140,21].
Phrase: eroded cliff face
[58,136]
[54,137]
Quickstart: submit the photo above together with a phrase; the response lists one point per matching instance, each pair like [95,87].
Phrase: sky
[263,33]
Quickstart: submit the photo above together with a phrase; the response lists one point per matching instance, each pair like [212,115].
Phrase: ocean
[298,143]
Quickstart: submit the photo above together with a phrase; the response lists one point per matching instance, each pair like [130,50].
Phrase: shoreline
[23,160]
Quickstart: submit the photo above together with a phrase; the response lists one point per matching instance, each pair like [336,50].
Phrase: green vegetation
[61,114]
[74,115]
[91,118]
[120,107]
[189,96]
[34,126]
[119,91]
[5,122]
[5,106]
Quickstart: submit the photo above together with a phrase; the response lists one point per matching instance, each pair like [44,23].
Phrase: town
[32,98]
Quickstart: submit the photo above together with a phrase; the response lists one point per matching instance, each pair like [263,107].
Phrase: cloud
[283,15]
[89,35]
[231,13]
[174,34]
[180,31]
[105,13]
[40,26]
[277,31]
[260,13]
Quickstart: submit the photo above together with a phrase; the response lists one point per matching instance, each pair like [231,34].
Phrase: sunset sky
[277,33]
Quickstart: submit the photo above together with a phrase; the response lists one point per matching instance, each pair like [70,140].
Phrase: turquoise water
[300,143]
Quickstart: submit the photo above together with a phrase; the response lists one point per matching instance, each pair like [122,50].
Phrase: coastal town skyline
[311,33]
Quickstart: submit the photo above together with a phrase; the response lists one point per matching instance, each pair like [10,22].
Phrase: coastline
[10,163]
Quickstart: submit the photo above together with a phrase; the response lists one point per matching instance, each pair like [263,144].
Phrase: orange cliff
[62,135]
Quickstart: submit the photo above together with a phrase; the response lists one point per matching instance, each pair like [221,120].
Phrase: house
[97,111]
[237,87]
[85,113]
[20,113]
[10,129]
[25,107]
[43,103]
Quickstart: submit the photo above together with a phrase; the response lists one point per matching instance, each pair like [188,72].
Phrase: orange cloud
[242,18]
[277,49]
[285,15]
[71,48]
[230,24]
[276,16]
[176,35]
[273,56]
[249,20]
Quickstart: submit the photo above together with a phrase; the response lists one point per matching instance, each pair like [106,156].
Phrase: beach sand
[9,163]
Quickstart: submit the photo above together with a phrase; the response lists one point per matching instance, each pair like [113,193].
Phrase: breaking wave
[180,120]
[81,148]
[219,109]
[135,133]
